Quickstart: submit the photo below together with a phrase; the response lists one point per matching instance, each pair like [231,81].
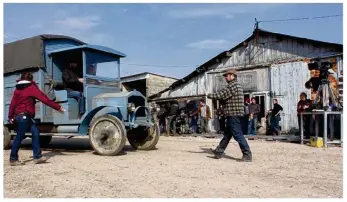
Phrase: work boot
[16,163]
[216,154]
[41,160]
[246,157]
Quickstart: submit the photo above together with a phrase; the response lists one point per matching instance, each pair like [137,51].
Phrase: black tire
[107,135]
[7,139]
[147,140]
[45,140]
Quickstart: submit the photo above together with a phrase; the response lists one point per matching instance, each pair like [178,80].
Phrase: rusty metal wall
[287,82]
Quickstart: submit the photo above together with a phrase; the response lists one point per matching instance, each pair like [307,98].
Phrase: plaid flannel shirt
[233,96]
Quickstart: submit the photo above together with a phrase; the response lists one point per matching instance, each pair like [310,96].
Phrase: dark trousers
[306,125]
[233,129]
[23,124]
[194,124]
[80,99]
[275,125]
[171,124]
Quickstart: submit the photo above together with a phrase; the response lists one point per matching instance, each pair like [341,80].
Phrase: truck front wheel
[107,135]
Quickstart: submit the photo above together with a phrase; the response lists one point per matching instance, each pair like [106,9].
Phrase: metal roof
[119,95]
[205,67]
[140,76]
[91,47]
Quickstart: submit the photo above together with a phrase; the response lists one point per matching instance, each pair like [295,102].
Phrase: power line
[304,18]
[148,65]
[8,35]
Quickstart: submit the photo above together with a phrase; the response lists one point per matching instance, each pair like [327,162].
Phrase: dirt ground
[180,167]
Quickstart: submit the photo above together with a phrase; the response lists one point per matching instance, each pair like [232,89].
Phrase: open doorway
[260,99]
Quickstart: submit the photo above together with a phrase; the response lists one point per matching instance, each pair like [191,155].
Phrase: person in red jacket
[22,112]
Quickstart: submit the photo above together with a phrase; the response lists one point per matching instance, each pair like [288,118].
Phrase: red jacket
[24,97]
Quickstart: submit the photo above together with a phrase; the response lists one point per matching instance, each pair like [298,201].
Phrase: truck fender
[83,129]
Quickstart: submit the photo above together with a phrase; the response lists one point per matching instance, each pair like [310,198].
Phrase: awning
[191,97]
[104,49]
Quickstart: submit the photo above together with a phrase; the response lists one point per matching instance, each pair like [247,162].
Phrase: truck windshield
[101,65]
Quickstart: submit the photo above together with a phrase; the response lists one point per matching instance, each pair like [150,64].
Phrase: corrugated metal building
[270,65]
[147,83]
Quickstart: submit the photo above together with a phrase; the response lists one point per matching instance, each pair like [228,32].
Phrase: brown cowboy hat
[232,71]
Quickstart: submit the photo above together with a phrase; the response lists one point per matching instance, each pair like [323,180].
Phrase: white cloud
[78,23]
[210,44]
[220,10]
[80,27]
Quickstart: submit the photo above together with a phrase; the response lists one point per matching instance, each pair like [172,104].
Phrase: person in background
[74,84]
[22,112]
[171,118]
[205,115]
[221,119]
[234,111]
[245,120]
[275,118]
[192,111]
[91,70]
[254,110]
[303,105]
[161,117]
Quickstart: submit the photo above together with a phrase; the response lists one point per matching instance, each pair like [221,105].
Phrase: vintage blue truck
[111,117]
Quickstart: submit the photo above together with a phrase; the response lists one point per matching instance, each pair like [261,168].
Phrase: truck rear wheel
[7,138]
[145,139]
[107,135]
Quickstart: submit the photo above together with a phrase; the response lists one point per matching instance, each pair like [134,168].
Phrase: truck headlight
[131,107]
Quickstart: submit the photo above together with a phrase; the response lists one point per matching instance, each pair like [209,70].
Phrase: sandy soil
[180,167]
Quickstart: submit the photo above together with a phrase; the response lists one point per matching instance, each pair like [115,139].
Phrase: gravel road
[180,167]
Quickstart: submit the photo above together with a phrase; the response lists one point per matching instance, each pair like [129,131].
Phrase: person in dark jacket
[22,112]
[74,84]
[171,119]
[275,118]
[304,105]
[254,110]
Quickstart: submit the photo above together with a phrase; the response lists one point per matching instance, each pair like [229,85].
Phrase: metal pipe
[325,131]
[68,129]
[301,130]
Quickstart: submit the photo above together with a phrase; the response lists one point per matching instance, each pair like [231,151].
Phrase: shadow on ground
[63,146]
[205,150]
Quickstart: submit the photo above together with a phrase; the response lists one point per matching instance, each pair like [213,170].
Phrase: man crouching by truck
[232,94]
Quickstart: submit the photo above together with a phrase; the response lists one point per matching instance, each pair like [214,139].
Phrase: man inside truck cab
[74,85]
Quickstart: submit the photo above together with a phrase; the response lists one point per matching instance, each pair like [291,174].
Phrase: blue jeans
[23,124]
[252,126]
[275,125]
[194,124]
[80,99]
[233,129]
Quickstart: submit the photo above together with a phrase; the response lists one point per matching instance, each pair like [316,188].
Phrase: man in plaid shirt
[234,111]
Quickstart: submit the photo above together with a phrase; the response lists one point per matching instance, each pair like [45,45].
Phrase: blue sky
[161,35]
